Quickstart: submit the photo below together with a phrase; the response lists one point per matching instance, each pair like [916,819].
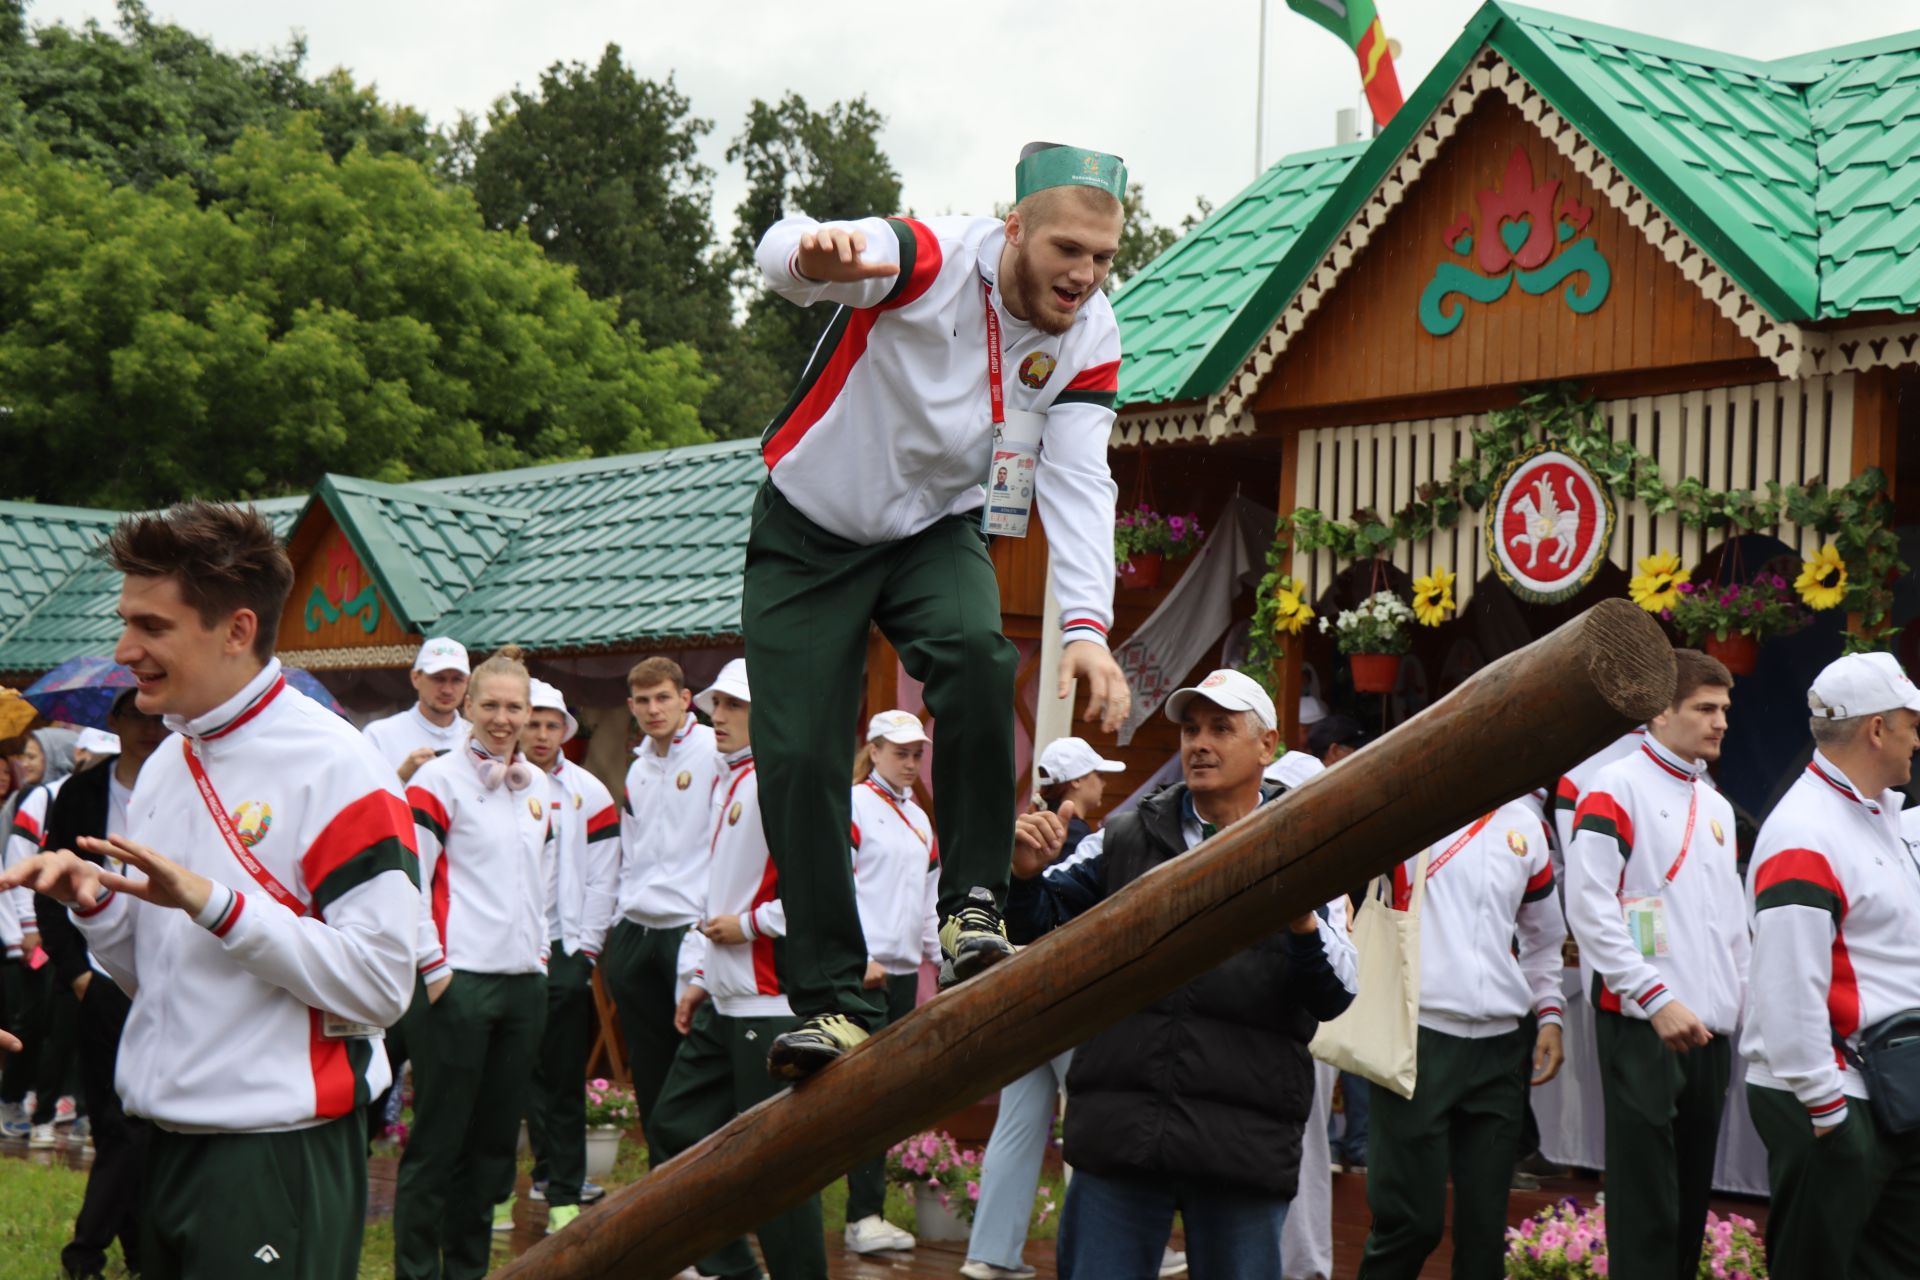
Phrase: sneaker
[82,1130]
[42,1137]
[1173,1262]
[539,1191]
[874,1234]
[972,939]
[560,1217]
[503,1215]
[592,1193]
[812,1045]
[1523,1181]
[14,1122]
[974,1269]
[64,1111]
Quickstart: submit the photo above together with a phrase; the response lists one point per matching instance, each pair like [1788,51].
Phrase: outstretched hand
[60,875]
[1108,698]
[164,882]
[1038,838]
[831,255]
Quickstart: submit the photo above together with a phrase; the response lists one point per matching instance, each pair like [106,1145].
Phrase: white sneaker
[1173,1262]
[974,1269]
[42,1137]
[874,1234]
[64,1111]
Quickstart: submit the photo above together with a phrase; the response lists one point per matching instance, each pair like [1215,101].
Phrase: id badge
[1016,454]
[335,1027]
[1647,924]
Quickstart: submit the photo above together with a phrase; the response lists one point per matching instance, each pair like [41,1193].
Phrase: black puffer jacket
[1213,1081]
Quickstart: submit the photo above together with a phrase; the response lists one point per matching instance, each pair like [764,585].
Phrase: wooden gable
[335,603]
[1473,224]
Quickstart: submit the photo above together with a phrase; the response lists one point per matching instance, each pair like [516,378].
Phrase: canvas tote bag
[1378,1036]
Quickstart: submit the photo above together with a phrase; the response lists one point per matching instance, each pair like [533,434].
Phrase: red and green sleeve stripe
[604,825]
[1603,815]
[1799,878]
[1097,385]
[429,812]
[1541,886]
[369,837]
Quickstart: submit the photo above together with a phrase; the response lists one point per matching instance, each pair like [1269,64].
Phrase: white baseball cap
[442,654]
[1293,768]
[902,727]
[1862,684]
[1228,689]
[97,742]
[731,681]
[545,697]
[1066,759]
[1312,710]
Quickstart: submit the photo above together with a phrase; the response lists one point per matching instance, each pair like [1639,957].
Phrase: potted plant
[1374,636]
[944,1179]
[1730,620]
[611,1111]
[1565,1242]
[1144,539]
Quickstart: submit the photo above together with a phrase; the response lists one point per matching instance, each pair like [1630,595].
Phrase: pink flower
[1599,1264]
[973,1189]
[601,1085]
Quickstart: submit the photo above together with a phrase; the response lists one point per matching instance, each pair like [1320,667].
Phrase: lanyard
[994,391]
[1686,841]
[241,853]
[894,805]
[1460,842]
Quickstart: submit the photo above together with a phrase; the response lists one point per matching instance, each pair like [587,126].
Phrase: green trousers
[557,1119]
[1463,1120]
[1662,1127]
[720,1071]
[473,1055]
[638,967]
[867,1185]
[808,600]
[219,1205]
[1846,1206]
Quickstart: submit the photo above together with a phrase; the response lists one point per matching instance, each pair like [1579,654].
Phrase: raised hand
[1108,698]
[62,875]
[831,255]
[165,884]
[1037,840]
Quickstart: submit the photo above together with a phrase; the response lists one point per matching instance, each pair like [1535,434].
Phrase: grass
[38,1202]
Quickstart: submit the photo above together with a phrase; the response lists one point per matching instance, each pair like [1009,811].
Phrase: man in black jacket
[1196,1103]
[94,803]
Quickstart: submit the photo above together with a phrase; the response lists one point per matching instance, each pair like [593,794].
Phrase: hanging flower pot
[1375,672]
[1741,654]
[1141,570]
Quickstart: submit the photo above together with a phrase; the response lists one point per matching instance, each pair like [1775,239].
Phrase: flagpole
[1260,98]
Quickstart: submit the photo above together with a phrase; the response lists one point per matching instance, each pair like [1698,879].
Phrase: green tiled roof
[1171,311]
[40,547]
[616,551]
[1800,178]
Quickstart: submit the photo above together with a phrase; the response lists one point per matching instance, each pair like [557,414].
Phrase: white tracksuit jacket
[586,871]
[892,428]
[399,735]
[1835,893]
[1567,791]
[1628,834]
[1498,885]
[741,880]
[896,877]
[23,842]
[225,1033]
[485,857]
[666,829]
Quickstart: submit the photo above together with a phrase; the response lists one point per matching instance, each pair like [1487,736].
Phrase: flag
[1356,23]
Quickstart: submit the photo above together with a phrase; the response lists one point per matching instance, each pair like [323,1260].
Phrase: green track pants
[809,599]
[867,1185]
[557,1120]
[1846,1205]
[638,967]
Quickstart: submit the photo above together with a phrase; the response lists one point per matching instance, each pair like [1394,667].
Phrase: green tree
[352,316]
[599,165]
[827,164]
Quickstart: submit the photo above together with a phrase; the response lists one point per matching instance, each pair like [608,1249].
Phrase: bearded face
[1044,308]
[1058,254]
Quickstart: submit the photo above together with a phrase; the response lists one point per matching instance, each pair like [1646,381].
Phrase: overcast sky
[1170,86]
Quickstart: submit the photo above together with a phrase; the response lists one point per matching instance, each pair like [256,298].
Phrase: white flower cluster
[1383,611]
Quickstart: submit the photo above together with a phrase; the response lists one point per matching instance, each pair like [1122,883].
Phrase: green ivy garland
[1857,516]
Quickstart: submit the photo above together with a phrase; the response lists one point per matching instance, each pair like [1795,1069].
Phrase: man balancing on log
[875,512]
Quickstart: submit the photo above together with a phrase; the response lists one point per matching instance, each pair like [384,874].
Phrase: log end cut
[1628,659]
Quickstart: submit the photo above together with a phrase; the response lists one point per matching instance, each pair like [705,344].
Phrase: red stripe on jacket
[1602,805]
[766,977]
[825,389]
[1812,867]
[379,815]
[428,803]
[926,266]
[599,822]
[1099,377]
[333,1082]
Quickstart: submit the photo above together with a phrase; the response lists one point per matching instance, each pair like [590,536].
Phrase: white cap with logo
[1230,690]
[1862,684]
[1068,759]
[442,654]
[902,727]
[97,742]
[731,681]
[545,697]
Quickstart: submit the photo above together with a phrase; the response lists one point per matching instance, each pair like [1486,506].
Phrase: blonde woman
[486,839]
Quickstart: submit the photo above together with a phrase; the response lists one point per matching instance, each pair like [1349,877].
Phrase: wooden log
[1516,725]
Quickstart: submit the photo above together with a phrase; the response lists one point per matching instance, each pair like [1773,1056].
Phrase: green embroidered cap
[1050,164]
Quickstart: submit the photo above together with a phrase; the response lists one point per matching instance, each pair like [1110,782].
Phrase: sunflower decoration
[1291,614]
[1823,579]
[1433,598]
[1657,585]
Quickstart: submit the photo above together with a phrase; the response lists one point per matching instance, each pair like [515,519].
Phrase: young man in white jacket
[1480,1045]
[955,337]
[1836,949]
[1655,902]
[733,1001]
[263,925]
[432,726]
